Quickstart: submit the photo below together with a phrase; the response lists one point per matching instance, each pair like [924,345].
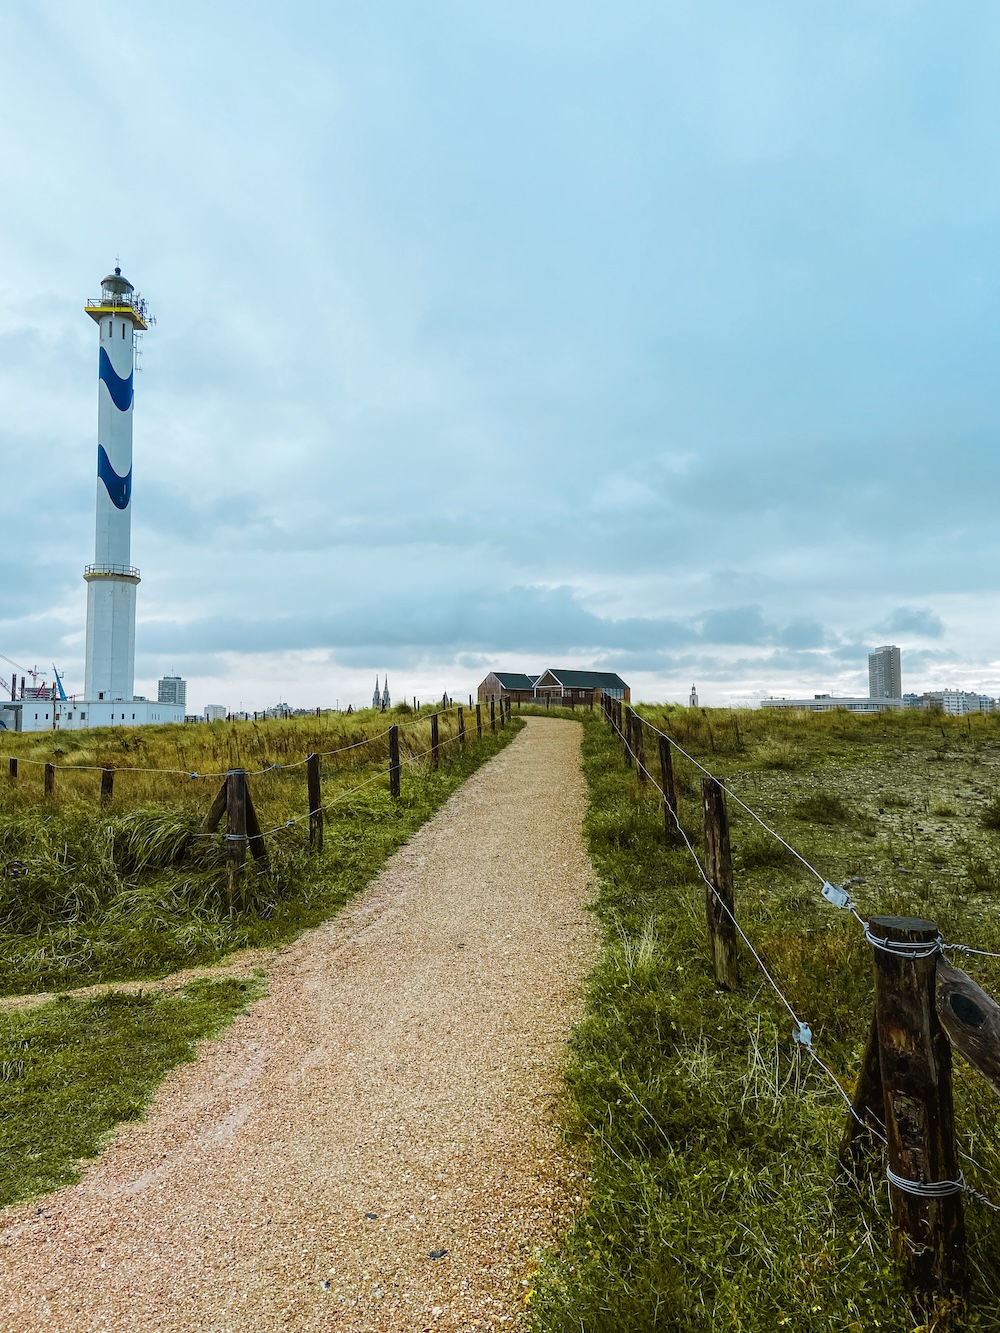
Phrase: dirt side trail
[395,1093]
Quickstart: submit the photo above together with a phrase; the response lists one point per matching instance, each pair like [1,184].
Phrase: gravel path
[394,1097]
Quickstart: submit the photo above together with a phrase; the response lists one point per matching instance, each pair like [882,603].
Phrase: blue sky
[657,337]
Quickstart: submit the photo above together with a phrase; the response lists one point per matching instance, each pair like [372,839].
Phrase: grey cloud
[915,620]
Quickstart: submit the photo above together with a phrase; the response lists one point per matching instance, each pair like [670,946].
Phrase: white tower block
[112,579]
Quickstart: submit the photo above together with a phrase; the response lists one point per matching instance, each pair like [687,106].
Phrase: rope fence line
[835,894]
[919,947]
[193,775]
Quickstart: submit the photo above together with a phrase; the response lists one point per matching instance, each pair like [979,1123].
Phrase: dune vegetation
[714,1199]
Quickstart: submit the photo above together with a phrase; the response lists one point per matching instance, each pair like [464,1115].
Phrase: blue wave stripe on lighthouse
[119,389]
[118,488]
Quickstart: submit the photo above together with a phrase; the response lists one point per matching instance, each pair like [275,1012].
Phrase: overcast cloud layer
[656,337]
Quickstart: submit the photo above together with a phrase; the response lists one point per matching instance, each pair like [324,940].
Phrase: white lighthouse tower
[112,578]
[109,689]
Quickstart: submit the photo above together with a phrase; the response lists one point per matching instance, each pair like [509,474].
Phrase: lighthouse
[112,579]
[109,688]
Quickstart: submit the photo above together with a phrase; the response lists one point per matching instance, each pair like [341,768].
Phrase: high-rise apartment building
[884,678]
[172,690]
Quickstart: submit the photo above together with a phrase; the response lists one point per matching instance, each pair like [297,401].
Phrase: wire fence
[838,896]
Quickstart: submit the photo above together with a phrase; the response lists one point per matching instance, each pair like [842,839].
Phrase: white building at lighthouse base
[79,714]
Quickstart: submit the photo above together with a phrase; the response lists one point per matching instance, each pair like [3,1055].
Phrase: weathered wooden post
[394,765]
[627,737]
[435,748]
[315,803]
[50,779]
[859,1140]
[12,771]
[503,713]
[236,830]
[508,708]
[107,785]
[479,722]
[971,1019]
[639,748]
[671,826]
[915,1061]
[719,905]
[493,714]
[461,727]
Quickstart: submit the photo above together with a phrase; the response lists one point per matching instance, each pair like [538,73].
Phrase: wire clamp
[905,948]
[802,1033]
[926,1189]
[236,837]
[833,893]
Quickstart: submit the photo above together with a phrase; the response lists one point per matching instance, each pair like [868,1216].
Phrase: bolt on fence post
[435,750]
[315,803]
[12,771]
[670,821]
[107,785]
[461,727]
[50,779]
[639,748]
[719,864]
[915,1061]
[493,714]
[479,722]
[394,760]
[236,830]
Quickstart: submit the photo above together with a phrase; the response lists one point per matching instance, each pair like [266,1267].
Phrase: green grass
[72,1070]
[130,892]
[714,1200]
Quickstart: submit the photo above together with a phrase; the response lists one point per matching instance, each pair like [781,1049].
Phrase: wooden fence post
[503,711]
[719,864]
[435,749]
[915,1060]
[479,722]
[315,803]
[50,779]
[639,748]
[394,760]
[12,771]
[671,826]
[508,708]
[627,737]
[867,1109]
[493,714]
[461,727]
[107,785]
[236,830]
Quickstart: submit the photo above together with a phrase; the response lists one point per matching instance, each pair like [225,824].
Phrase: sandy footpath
[395,1095]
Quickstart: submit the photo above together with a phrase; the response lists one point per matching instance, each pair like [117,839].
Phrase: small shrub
[402,708]
[777,755]
[759,850]
[822,807]
[945,811]
[983,874]
[989,817]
